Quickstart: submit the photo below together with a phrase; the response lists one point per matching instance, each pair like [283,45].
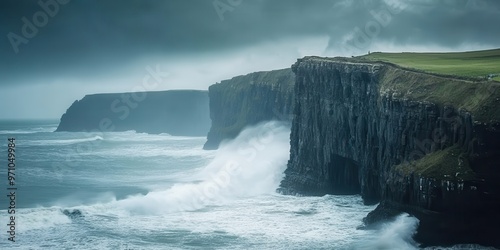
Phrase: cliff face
[423,144]
[246,100]
[176,112]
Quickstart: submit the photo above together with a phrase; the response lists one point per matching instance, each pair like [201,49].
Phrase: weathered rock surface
[420,143]
[176,112]
[247,100]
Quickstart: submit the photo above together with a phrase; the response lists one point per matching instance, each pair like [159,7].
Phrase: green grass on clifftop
[473,93]
[471,64]
[480,98]
[448,164]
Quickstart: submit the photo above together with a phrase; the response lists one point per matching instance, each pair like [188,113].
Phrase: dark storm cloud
[93,37]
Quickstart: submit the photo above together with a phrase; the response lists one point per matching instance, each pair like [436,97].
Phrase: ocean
[128,190]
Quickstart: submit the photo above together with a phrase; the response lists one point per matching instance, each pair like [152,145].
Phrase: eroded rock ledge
[420,143]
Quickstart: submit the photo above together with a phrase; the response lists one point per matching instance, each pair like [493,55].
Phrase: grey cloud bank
[95,46]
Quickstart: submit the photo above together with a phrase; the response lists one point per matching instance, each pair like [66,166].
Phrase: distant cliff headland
[247,100]
[176,112]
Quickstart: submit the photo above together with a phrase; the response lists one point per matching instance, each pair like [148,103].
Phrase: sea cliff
[419,143]
[247,100]
[176,112]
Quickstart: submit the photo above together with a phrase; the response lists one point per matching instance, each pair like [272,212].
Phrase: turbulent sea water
[128,190]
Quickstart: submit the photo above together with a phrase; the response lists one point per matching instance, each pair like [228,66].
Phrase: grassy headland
[470,64]
[476,94]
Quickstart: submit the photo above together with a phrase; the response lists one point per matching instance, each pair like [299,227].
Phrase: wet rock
[73,213]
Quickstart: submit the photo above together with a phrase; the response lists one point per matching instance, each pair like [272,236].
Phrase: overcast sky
[52,55]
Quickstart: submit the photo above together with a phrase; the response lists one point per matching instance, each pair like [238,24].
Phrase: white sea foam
[251,164]
[148,151]
[398,234]
[30,130]
[35,218]
[393,235]
[132,136]
[61,142]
